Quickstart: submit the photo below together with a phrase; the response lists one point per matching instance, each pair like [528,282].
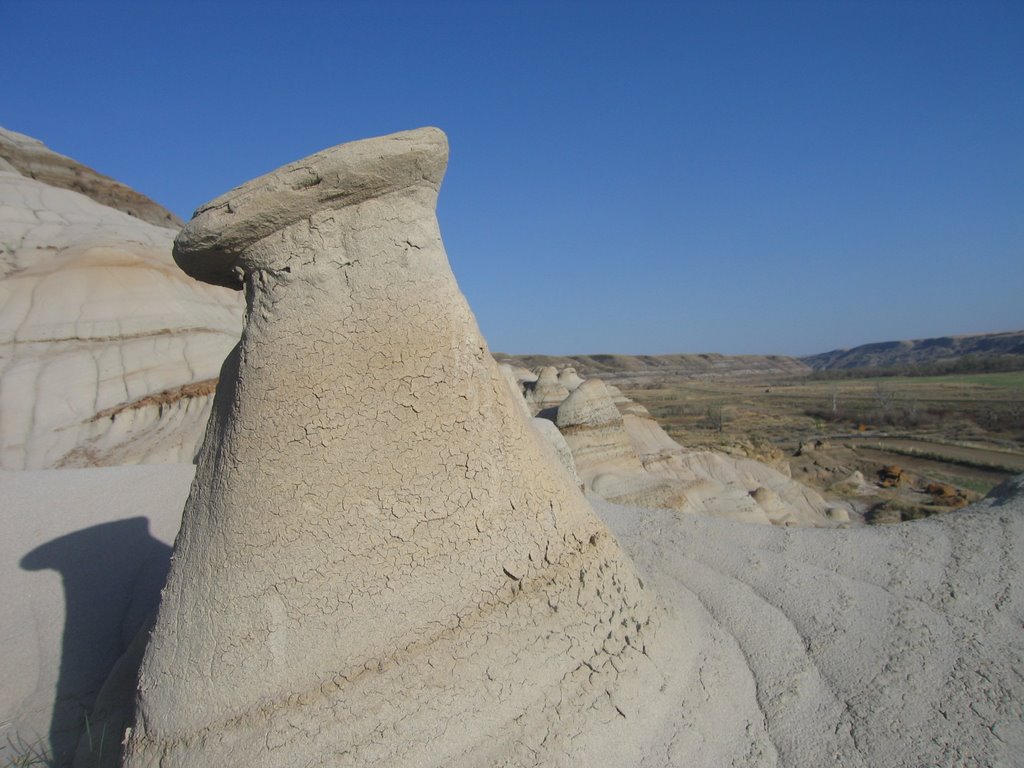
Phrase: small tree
[715,417]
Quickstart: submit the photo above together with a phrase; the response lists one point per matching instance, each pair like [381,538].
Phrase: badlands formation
[108,353]
[32,159]
[384,561]
[376,542]
[622,455]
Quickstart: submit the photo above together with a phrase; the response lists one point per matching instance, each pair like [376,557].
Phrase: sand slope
[896,646]
[82,559]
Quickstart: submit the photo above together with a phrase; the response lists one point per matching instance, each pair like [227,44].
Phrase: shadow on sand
[112,575]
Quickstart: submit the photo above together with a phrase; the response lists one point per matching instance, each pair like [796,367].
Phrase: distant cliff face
[893,353]
[628,368]
[33,159]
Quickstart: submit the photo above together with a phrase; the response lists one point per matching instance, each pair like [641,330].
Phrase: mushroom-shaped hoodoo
[547,392]
[377,544]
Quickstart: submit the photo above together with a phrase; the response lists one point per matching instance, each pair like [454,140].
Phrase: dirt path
[983,458]
[979,480]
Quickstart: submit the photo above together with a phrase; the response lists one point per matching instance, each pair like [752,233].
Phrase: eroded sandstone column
[547,392]
[380,562]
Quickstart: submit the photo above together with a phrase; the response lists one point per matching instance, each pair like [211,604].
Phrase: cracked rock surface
[381,561]
[873,646]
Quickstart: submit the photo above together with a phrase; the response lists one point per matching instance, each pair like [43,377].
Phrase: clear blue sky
[736,177]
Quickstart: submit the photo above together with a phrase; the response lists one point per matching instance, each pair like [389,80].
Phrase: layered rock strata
[604,454]
[108,353]
[380,562]
[31,158]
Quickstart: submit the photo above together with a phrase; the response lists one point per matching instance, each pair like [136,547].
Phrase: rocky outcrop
[590,405]
[522,376]
[894,645]
[602,453]
[33,159]
[593,428]
[569,379]
[548,431]
[621,454]
[108,353]
[379,563]
[561,448]
[545,394]
[432,592]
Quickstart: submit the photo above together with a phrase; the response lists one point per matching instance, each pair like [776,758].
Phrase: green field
[1008,380]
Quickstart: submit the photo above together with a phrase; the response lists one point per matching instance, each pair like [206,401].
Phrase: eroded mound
[377,546]
[108,353]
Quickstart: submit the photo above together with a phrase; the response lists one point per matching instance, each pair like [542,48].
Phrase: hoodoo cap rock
[210,247]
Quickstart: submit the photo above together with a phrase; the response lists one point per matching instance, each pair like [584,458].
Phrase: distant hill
[703,366]
[636,369]
[888,354]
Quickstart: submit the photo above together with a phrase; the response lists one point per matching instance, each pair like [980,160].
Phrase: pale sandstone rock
[622,455]
[546,428]
[569,379]
[589,405]
[546,392]
[651,443]
[562,450]
[869,647]
[33,159]
[617,397]
[379,563]
[875,646]
[770,502]
[626,406]
[519,379]
[789,503]
[839,514]
[522,375]
[631,408]
[723,486]
[515,389]
[108,353]
[604,458]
